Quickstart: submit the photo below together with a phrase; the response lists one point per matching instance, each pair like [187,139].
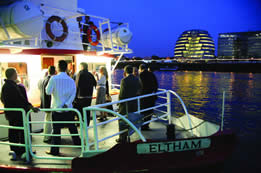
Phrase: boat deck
[157,132]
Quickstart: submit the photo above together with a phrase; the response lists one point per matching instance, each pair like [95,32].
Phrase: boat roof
[52,52]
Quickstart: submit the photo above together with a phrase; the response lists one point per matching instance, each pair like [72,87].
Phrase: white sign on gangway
[173,146]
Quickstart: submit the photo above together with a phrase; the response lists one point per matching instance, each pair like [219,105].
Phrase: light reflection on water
[202,93]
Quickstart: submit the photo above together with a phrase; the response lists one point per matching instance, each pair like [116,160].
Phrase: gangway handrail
[82,125]
[162,91]
[93,110]
[24,128]
[184,107]
[129,99]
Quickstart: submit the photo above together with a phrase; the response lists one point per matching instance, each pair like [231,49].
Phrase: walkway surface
[158,131]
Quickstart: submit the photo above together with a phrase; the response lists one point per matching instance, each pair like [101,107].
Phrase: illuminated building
[239,45]
[195,44]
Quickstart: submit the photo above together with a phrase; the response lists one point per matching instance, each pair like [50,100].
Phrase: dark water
[202,93]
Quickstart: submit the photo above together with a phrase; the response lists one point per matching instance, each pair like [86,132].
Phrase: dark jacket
[13,96]
[85,82]
[149,83]
[130,87]
[45,99]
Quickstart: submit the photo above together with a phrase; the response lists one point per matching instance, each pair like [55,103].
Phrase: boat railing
[82,126]
[93,111]
[104,25]
[83,134]
[163,94]
[24,128]
[84,130]
[169,101]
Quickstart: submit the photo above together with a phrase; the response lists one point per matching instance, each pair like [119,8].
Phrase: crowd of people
[60,90]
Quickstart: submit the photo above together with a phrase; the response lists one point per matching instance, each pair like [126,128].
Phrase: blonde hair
[104,72]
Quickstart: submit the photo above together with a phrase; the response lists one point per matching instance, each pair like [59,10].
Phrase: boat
[169,68]
[51,31]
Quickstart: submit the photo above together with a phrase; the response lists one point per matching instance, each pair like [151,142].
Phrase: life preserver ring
[89,33]
[49,30]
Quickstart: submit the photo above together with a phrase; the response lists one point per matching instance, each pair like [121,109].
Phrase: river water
[202,93]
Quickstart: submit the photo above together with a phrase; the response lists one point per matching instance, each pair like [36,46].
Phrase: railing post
[169,107]
[100,27]
[86,130]
[26,137]
[138,102]
[96,140]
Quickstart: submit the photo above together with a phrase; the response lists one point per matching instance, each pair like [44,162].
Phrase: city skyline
[157,26]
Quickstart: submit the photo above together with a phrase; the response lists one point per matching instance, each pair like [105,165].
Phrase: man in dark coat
[85,28]
[13,97]
[85,82]
[149,85]
[46,103]
[130,87]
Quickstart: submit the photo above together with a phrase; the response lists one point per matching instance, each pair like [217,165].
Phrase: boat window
[21,68]
[47,61]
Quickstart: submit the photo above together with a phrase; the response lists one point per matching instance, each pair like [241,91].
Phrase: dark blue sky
[157,24]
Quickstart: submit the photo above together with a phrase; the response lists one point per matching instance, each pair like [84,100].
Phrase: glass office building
[239,45]
[195,44]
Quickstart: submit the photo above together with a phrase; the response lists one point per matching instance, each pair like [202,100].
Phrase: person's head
[11,74]
[87,18]
[51,70]
[128,69]
[142,67]
[83,66]
[103,71]
[62,65]
[70,66]
[135,71]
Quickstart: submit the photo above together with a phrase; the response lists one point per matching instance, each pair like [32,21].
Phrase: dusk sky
[157,24]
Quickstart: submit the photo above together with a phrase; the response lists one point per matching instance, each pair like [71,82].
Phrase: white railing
[81,134]
[101,22]
[84,130]
[95,125]
[100,107]
[23,128]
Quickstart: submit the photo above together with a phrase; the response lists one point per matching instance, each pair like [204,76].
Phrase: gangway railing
[84,136]
[81,134]
[24,128]
[95,129]
[100,107]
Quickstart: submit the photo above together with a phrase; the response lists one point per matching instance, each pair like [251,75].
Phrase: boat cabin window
[53,61]
[22,74]
[94,67]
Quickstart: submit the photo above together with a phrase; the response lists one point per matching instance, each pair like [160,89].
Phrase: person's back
[11,96]
[130,87]
[45,99]
[63,90]
[85,82]
[14,96]
[149,82]
[149,85]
